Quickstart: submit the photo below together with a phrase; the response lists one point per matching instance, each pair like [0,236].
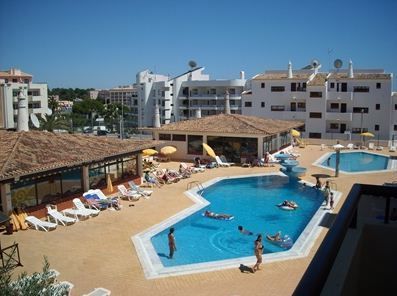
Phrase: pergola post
[139,164]
[86,178]
[6,201]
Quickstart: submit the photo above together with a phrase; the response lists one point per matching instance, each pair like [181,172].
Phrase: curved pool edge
[153,268]
[318,162]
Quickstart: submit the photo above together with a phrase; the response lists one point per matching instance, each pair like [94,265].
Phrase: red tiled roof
[232,124]
[24,153]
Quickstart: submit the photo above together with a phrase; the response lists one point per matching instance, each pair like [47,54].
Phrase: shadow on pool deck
[328,220]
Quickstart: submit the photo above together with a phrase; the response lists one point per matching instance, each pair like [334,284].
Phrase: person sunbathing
[213,215]
[289,203]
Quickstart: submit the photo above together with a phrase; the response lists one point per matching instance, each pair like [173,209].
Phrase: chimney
[198,113]
[351,75]
[242,75]
[289,69]
[23,114]
[227,103]
[156,122]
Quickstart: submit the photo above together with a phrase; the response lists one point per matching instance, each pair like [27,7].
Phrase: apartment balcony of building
[294,115]
[211,97]
[340,96]
[213,107]
[338,116]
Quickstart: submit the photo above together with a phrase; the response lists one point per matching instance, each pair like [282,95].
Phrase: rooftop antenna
[192,64]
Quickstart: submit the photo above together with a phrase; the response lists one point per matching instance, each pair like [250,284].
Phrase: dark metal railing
[319,268]
[10,256]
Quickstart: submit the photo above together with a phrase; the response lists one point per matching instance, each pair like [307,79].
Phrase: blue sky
[101,44]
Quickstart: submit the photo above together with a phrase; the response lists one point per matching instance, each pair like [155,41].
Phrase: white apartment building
[181,97]
[336,105]
[10,86]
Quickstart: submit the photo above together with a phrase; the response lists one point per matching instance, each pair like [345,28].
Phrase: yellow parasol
[109,184]
[209,150]
[367,134]
[149,152]
[166,150]
[295,133]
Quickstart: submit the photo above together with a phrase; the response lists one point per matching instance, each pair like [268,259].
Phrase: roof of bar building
[232,124]
[26,153]
[357,76]
[281,75]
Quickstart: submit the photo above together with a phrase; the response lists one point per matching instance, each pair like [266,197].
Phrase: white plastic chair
[38,224]
[350,146]
[371,146]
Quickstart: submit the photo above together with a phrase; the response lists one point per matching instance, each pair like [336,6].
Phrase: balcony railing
[338,116]
[340,96]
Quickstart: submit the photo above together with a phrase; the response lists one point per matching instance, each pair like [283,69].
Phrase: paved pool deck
[99,252]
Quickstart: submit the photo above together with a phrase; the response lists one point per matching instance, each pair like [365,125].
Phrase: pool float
[218,217]
[285,242]
[287,207]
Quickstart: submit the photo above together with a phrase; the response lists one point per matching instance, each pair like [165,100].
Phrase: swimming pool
[356,162]
[208,244]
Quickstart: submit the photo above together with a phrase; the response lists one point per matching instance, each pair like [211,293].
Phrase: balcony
[340,96]
[293,115]
[209,97]
[337,116]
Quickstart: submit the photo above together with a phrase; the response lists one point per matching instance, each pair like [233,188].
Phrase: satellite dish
[315,63]
[192,64]
[338,63]
[34,120]
[48,111]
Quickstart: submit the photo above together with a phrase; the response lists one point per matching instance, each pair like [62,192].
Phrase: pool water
[358,162]
[253,203]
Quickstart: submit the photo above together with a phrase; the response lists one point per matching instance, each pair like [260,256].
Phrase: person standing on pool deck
[326,191]
[258,253]
[171,242]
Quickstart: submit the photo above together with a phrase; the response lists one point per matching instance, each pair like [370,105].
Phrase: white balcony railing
[340,96]
[337,116]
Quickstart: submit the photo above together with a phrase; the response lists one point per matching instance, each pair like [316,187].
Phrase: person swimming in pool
[217,216]
[244,231]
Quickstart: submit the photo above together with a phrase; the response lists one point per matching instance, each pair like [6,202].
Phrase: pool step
[392,165]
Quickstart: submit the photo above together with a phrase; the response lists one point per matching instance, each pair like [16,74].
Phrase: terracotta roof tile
[24,153]
[318,80]
[232,124]
[281,76]
[376,76]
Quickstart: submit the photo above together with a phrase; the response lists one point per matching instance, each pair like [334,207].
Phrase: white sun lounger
[80,206]
[38,224]
[144,193]
[221,163]
[99,292]
[131,195]
[58,217]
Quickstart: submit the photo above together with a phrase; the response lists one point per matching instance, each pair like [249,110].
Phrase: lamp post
[337,148]
[361,125]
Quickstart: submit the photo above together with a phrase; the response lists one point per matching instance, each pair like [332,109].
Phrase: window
[166,137]
[358,110]
[361,89]
[212,91]
[334,126]
[247,104]
[195,145]
[293,86]
[332,85]
[315,115]
[357,130]
[301,105]
[232,91]
[316,94]
[395,106]
[376,127]
[180,138]
[263,104]
[277,88]
[277,108]
[315,135]
[377,106]
[334,106]
[395,127]
[378,85]
[262,85]
[344,87]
